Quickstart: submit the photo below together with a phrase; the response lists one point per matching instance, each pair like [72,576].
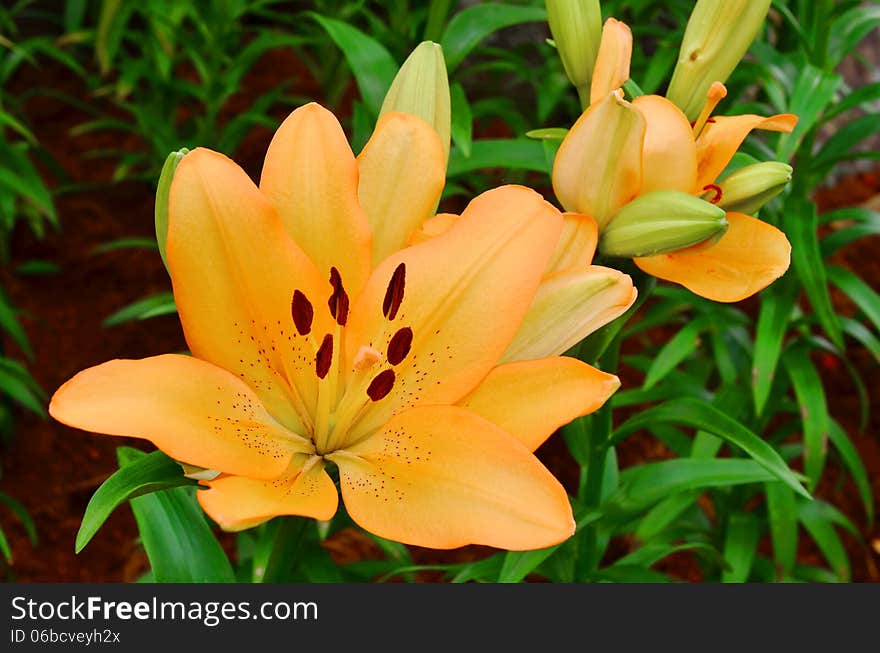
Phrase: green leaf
[869,225]
[159,304]
[850,29]
[147,473]
[126,243]
[782,515]
[777,303]
[840,145]
[10,324]
[644,485]
[508,154]
[18,509]
[857,290]
[820,528]
[702,415]
[813,407]
[855,465]
[813,91]
[470,26]
[550,133]
[661,516]
[801,227]
[740,546]
[163,190]
[462,120]
[682,345]
[178,541]
[373,67]
[17,383]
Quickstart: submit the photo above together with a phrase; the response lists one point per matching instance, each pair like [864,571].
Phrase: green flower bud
[576,26]
[162,192]
[661,222]
[421,88]
[750,188]
[718,34]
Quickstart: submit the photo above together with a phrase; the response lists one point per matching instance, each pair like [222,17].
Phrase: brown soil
[54,470]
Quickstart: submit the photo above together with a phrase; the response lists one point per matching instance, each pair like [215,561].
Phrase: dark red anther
[399,346]
[381,385]
[338,301]
[394,294]
[302,312]
[713,189]
[324,357]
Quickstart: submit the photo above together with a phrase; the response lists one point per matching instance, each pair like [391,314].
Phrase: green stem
[588,557]
[284,557]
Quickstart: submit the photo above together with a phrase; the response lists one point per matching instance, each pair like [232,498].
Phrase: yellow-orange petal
[311,177]
[612,62]
[432,227]
[568,306]
[443,477]
[531,399]
[750,256]
[464,295]
[577,243]
[402,173]
[235,269]
[670,153]
[598,167]
[722,136]
[193,411]
[237,502]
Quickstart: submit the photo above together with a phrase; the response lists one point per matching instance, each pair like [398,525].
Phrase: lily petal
[598,167]
[670,154]
[237,503]
[433,226]
[311,177]
[722,136]
[464,296]
[234,270]
[402,173]
[612,63]
[577,243]
[750,256]
[531,399]
[568,306]
[443,477]
[195,412]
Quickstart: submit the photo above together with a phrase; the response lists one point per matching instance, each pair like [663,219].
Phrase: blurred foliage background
[95,94]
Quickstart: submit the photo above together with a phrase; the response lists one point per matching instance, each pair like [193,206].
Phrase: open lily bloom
[619,150]
[318,337]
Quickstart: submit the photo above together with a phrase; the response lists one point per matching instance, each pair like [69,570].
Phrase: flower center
[344,396]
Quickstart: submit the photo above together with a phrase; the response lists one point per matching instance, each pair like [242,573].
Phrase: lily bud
[750,188]
[576,26]
[162,191]
[421,87]
[718,34]
[661,222]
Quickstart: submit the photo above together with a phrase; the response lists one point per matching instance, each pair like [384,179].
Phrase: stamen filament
[714,95]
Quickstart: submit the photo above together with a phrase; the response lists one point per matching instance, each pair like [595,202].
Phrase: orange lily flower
[619,150]
[316,337]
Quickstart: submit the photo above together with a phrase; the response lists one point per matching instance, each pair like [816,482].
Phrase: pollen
[399,346]
[394,294]
[381,385]
[324,356]
[302,312]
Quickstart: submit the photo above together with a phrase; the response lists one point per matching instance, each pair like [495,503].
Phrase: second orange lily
[619,150]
